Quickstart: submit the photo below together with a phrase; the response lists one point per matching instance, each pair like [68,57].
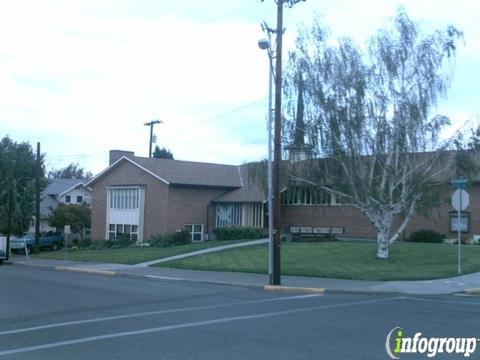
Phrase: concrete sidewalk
[463,284]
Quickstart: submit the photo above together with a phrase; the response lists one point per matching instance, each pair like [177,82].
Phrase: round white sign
[460,200]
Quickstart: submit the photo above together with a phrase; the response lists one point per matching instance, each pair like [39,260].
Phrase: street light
[265,44]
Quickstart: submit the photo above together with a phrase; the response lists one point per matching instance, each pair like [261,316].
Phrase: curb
[84,270]
[472,291]
[109,273]
[293,288]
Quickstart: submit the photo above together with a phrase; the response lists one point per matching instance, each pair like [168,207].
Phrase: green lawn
[347,260]
[132,255]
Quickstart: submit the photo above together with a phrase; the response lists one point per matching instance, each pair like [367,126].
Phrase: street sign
[460,200]
[66,230]
[460,184]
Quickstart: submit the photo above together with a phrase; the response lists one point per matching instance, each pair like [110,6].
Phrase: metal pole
[66,245]
[459,235]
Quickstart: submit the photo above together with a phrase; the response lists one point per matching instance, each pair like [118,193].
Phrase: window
[229,214]
[67,199]
[195,231]
[301,195]
[239,214]
[124,198]
[79,199]
[115,231]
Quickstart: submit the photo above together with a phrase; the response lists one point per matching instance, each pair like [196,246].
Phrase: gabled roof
[56,188]
[177,172]
[79,184]
[59,186]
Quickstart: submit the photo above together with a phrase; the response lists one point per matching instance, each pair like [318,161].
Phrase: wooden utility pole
[151,124]
[37,202]
[277,147]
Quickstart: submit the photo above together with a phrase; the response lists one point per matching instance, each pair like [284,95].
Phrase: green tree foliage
[368,116]
[72,171]
[162,153]
[17,186]
[77,216]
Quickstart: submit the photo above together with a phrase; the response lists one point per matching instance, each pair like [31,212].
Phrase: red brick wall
[187,205]
[357,225]
[156,199]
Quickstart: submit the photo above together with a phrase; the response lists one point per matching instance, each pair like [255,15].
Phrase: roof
[59,186]
[252,189]
[178,172]
[54,189]
[192,173]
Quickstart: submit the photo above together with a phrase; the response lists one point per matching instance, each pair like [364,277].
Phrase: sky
[83,76]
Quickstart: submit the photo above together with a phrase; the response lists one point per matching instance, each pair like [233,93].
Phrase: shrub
[240,232]
[427,236]
[85,243]
[166,240]
[124,241]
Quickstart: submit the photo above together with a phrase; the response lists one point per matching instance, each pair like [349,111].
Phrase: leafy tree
[72,171]
[17,187]
[162,153]
[368,117]
[77,216]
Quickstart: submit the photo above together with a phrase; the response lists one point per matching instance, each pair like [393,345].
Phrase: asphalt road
[46,314]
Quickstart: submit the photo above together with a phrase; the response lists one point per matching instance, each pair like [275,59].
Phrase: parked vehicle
[52,240]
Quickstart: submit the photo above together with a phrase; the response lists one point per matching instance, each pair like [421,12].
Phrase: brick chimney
[117,154]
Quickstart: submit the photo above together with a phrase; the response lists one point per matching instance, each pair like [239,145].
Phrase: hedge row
[236,233]
[166,240]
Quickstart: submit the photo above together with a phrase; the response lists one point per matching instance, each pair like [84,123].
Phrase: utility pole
[151,124]
[277,148]
[9,220]
[37,202]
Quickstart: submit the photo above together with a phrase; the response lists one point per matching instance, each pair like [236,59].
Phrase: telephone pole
[151,124]
[277,147]
[37,202]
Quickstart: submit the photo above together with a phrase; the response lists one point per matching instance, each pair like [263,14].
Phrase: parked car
[52,240]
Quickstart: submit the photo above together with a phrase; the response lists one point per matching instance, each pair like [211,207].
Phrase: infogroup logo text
[397,343]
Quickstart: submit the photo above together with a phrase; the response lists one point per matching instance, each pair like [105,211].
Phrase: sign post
[66,232]
[460,200]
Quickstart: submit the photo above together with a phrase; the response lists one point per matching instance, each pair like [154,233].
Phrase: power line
[217,117]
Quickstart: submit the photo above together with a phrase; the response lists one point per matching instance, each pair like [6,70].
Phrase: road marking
[444,301]
[157,312]
[185,325]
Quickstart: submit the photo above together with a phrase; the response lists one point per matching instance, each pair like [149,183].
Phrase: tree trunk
[382,244]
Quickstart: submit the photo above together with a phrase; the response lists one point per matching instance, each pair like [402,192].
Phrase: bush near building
[239,232]
[427,236]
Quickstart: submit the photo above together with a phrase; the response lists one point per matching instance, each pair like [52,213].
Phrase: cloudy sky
[83,76]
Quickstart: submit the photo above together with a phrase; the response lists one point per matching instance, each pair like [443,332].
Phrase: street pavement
[469,283]
[49,314]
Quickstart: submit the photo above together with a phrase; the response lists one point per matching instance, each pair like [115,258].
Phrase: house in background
[65,191]
[142,197]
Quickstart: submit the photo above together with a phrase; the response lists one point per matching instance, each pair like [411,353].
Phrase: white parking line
[157,312]
[185,325]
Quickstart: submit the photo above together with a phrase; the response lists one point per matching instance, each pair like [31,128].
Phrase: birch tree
[368,115]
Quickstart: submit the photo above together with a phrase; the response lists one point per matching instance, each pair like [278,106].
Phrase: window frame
[191,232]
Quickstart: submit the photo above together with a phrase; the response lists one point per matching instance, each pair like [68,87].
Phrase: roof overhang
[115,164]
[74,187]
